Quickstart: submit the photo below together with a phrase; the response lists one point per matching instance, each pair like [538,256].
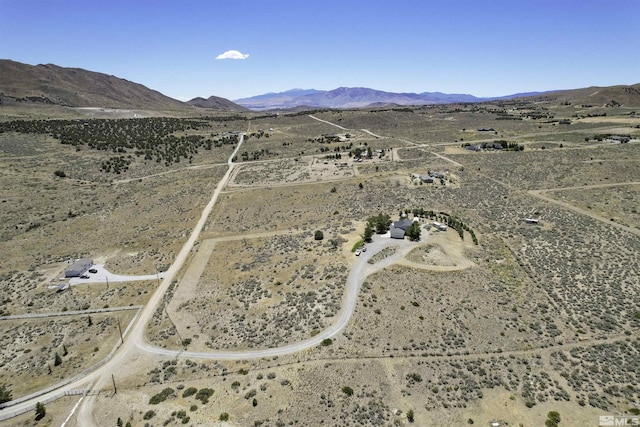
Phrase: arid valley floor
[253,327]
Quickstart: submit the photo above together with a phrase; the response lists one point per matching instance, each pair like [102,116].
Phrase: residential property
[78,268]
[397,233]
[403,224]
[619,139]
[399,228]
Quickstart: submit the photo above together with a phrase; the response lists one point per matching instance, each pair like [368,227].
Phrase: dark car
[84,276]
[93,271]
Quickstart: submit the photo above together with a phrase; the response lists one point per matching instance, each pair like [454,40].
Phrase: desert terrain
[265,315]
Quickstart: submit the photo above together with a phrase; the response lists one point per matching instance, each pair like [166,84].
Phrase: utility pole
[115,390]
[120,329]
[107,277]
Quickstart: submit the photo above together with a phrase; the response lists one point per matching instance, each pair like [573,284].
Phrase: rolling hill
[76,87]
[625,95]
[216,103]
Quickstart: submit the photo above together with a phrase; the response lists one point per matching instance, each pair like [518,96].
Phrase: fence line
[68,313]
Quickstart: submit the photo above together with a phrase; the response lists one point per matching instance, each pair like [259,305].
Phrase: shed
[78,268]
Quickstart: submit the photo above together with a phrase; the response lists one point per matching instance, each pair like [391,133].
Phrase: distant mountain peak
[216,103]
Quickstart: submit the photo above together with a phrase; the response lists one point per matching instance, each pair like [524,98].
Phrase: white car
[358,252]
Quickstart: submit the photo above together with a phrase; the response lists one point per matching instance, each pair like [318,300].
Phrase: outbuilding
[78,268]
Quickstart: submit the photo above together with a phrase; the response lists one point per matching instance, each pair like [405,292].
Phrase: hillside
[624,95]
[76,87]
[216,103]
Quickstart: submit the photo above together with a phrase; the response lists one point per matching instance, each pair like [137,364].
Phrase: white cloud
[232,54]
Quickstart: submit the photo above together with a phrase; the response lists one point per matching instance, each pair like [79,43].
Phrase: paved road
[358,274]
[137,340]
[103,373]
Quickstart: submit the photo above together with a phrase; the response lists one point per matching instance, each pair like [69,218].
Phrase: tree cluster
[450,220]
[160,139]
[380,223]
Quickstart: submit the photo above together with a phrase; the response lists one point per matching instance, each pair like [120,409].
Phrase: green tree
[380,223]
[410,416]
[347,390]
[368,232]
[553,419]
[414,231]
[319,235]
[57,361]
[326,342]
[119,423]
[41,411]
[5,393]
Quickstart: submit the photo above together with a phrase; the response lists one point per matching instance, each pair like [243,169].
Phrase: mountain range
[76,87]
[357,97]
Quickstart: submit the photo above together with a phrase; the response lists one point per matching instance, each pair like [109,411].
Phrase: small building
[397,233]
[619,139]
[403,224]
[439,226]
[426,178]
[78,268]
[473,148]
[531,220]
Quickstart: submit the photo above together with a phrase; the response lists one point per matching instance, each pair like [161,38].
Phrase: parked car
[93,271]
[358,252]
[84,276]
[364,249]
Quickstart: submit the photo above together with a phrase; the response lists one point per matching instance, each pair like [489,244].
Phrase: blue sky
[481,47]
